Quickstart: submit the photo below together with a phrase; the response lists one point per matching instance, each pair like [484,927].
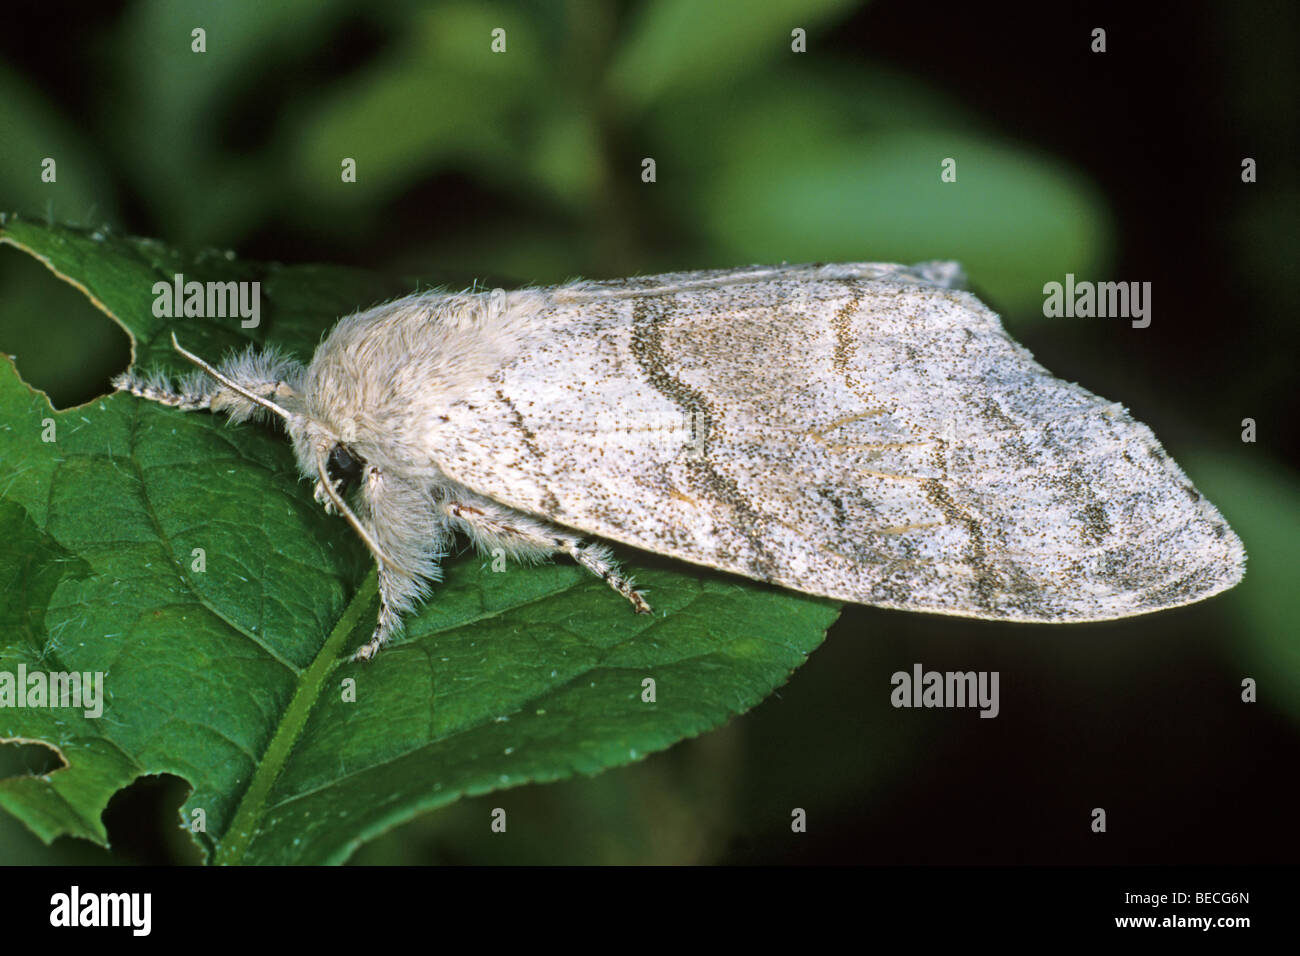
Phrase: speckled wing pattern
[865,432]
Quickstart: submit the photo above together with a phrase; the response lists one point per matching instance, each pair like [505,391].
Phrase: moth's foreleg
[412,534]
[322,498]
[490,526]
[398,593]
[389,622]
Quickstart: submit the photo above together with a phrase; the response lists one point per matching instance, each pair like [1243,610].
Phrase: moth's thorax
[383,379]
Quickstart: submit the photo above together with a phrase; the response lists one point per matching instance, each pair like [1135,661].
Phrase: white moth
[865,432]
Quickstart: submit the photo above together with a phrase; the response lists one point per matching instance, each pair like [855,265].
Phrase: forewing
[845,431]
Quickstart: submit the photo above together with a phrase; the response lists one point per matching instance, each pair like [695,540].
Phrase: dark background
[1124,165]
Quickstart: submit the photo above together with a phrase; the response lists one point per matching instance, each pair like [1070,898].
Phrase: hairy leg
[401,517]
[490,526]
[265,373]
[413,531]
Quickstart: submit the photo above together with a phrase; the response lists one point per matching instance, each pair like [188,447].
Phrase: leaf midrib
[244,824]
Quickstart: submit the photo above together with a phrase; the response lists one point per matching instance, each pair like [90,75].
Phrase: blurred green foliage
[762,154]
[526,167]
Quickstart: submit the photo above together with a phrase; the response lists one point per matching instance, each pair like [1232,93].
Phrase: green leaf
[681,46]
[1265,607]
[34,130]
[233,677]
[373,117]
[870,193]
[835,164]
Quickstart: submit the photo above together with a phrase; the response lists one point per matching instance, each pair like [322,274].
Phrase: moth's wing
[863,434]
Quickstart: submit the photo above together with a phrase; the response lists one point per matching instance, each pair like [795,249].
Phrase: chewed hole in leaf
[144,822]
[28,758]
[60,342]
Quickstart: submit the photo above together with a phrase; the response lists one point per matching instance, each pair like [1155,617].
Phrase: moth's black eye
[344,469]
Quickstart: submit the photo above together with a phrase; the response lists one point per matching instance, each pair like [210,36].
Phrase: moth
[862,431]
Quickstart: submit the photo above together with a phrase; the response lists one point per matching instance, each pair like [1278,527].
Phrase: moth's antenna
[251,396]
[322,471]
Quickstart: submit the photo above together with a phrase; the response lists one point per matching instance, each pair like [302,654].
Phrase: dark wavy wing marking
[874,440]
